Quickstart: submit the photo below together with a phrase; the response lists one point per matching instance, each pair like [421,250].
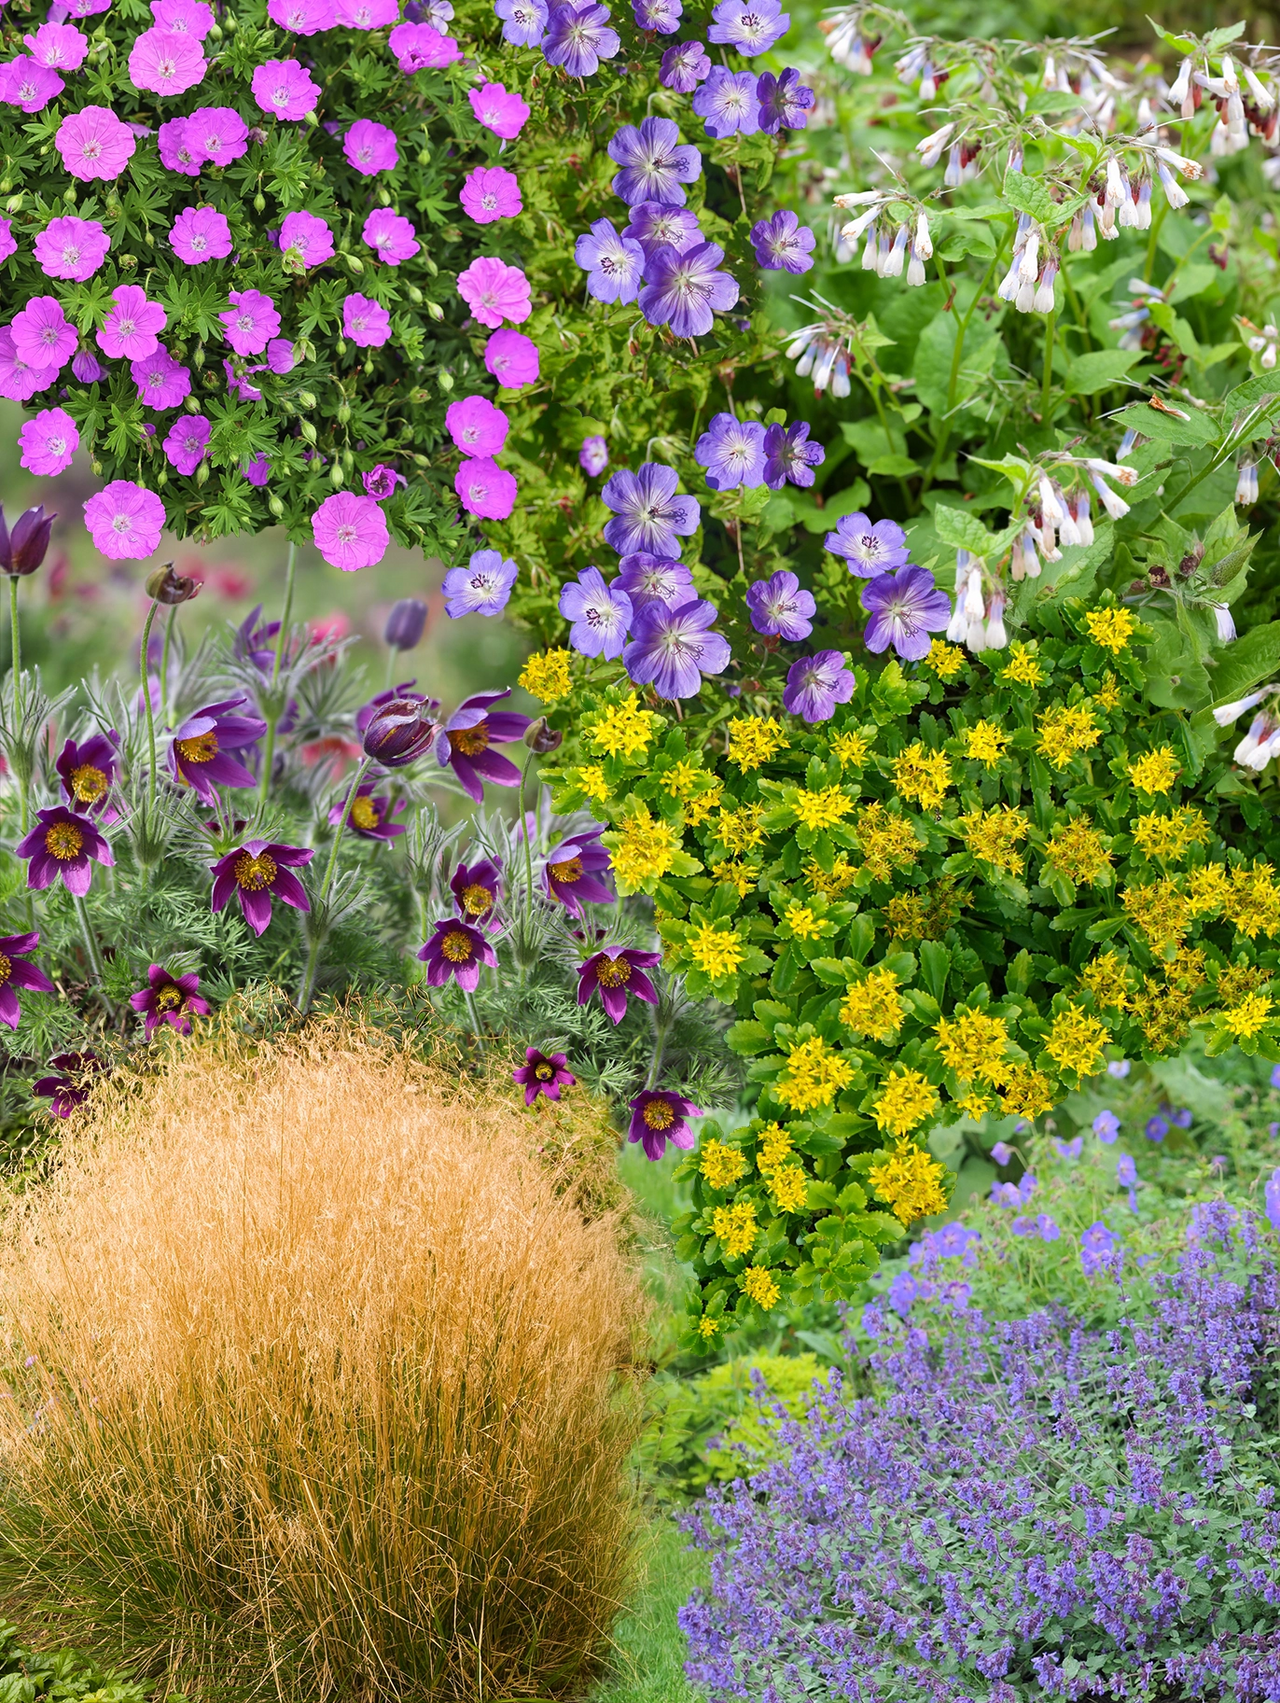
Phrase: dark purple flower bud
[542,739]
[400,732]
[164,586]
[23,549]
[405,623]
[86,367]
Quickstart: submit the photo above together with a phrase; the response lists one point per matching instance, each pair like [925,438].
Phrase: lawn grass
[648,1665]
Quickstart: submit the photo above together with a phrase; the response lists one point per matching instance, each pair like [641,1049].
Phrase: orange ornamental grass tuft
[321,1386]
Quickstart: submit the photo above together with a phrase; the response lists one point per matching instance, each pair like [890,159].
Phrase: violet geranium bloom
[905,607]
[816,684]
[732,451]
[684,66]
[659,1116]
[62,844]
[71,248]
[370,817]
[727,103]
[789,456]
[476,889]
[784,102]
[524,22]
[600,615]
[672,648]
[542,1073]
[655,163]
[483,587]
[654,226]
[48,443]
[88,771]
[614,264]
[615,973]
[654,579]
[779,608]
[647,513]
[782,243]
[15,974]
[257,872]
[573,871]
[868,549]
[752,26]
[169,999]
[198,755]
[471,730]
[686,291]
[579,37]
[661,16]
[125,521]
[350,531]
[489,193]
[456,949]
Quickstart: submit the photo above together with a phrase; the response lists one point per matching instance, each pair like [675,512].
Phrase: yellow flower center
[613,973]
[364,813]
[88,784]
[202,749]
[471,741]
[476,899]
[544,1072]
[6,964]
[659,1115]
[63,841]
[255,873]
[569,870]
[456,946]
[169,998]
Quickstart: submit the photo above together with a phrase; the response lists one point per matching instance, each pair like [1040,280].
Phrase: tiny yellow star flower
[759,1287]
[717,952]
[985,743]
[822,809]
[945,660]
[754,741]
[721,1164]
[546,676]
[1155,771]
[1023,670]
[1253,1013]
[905,1100]
[1111,628]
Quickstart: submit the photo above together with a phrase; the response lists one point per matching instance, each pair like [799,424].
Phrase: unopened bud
[202,473]
[14,203]
[340,346]
[435,310]
[354,263]
[540,738]
[259,202]
[415,295]
[276,506]
[164,586]
[308,430]
[23,549]
[337,478]
[306,399]
[344,412]
[405,623]
[446,381]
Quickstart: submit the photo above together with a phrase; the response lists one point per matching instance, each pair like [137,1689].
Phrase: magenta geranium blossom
[366,14]
[169,999]
[42,333]
[19,380]
[175,150]
[166,62]
[505,114]
[62,47]
[7,245]
[257,872]
[495,291]
[184,17]
[307,236]
[490,193]
[484,488]
[199,754]
[48,442]
[371,148]
[542,1073]
[419,47]
[512,358]
[63,844]
[476,426]
[366,322]
[302,17]
[125,521]
[216,135]
[15,974]
[132,328]
[659,1116]
[71,248]
[251,321]
[200,234]
[456,949]
[188,442]
[470,732]
[391,236]
[350,531]
[285,89]
[615,973]
[162,382]
[26,83]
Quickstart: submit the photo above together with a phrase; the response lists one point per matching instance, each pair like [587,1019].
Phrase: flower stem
[150,711]
[24,784]
[91,944]
[1051,325]
[164,666]
[313,956]
[473,1014]
[528,862]
[282,641]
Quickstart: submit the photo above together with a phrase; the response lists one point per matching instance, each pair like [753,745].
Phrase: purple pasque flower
[254,641]
[782,243]
[655,163]
[684,66]
[71,248]
[600,615]
[524,22]
[614,264]
[169,999]
[471,730]
[15,974]
[88,773]
[752,26]
[905,607]
[257,872]
[789,456]
[476,889]
[655,226]
[542,1073]
[659,1116]
[671,649]
[370,816]
[654,579]
[779,608]
[732,451]
[456,949]
[483,587]
[593,457]
[62,844]
[573,870]
[188,442]
[614,973]
[868,549]
[61,1088]
[198,754]
[647,513]
[727,103]
[816,684]
[784,101]
[686,291]
[579,37]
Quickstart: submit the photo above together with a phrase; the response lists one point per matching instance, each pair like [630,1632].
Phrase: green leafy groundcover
[65,1676]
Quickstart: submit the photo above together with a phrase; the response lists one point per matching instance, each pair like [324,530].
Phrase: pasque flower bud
[540,738]
[164,586]
[400,732]
[405,623]
[23,549]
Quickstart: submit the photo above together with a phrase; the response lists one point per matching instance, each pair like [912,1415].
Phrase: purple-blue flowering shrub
[1023,1509]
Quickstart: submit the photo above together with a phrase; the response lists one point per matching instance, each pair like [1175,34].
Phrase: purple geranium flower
[778,606]
[614,264]
[593,457]
[370,817]
[685,291]
[523,21]
[542,1073]
[572,872]
[615,973]
[456,949]
[257,872]
[788,455]
[71,248]
[579,37]
[727,103]
[655,226]
[188,442]
[655,164]
[162,382]
[199,234]
[647,512]
[672,648]
[62,844]
[782,243]
[169,999]
[391,236]
[1098,1251]
[905,607]
[660,15]
[198,756]
[654,579]
[752,26]
[476,889]
[684,66]
[784,101]
[88,771]
[15,974]
[869,550]
[250,322]
[62,1089]
[483,587]
[816,684]
[471,730]
[732,451]
[600,615]
[371,148]
[659,1116]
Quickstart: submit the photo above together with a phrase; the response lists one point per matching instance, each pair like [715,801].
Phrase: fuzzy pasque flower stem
[282,640]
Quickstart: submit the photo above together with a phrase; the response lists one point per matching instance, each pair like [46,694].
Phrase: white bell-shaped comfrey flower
[893,261]
[1226,714]
[1112,501]
[1263,99]
[1117,185]
[1175,194]
[996,637]
[1127,442]
[973,600]
[1225,624]
[1113,470]
[1258,746]
[1247,484]
[1083,510]
[1043,300]
[924,242]
[1029,260]
[1181,85]
[930,150]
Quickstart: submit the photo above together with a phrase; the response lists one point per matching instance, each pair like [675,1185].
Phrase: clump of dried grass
[331,1388]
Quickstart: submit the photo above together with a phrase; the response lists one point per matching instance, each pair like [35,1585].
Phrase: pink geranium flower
[187,442]
[366,322]
[301,17]
[19,380]
[42,334]
[489,193]
[495,291]
[476,426]
[71,248]
[251,321]
[512,358]
[485,489]
[200,234]
[125,520]
[94,143]
[350,531]
[25,83]
[216,134]
[370,147]
[61,47]
[162,382]
[285,89]
[7,244]
[183,17]
[166,62]
[418,47]
[390,235]
[175,150]
[86,8]
[366,14]
[306,236]
[131,331]
[279,356]
[505,114]
[48,442]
